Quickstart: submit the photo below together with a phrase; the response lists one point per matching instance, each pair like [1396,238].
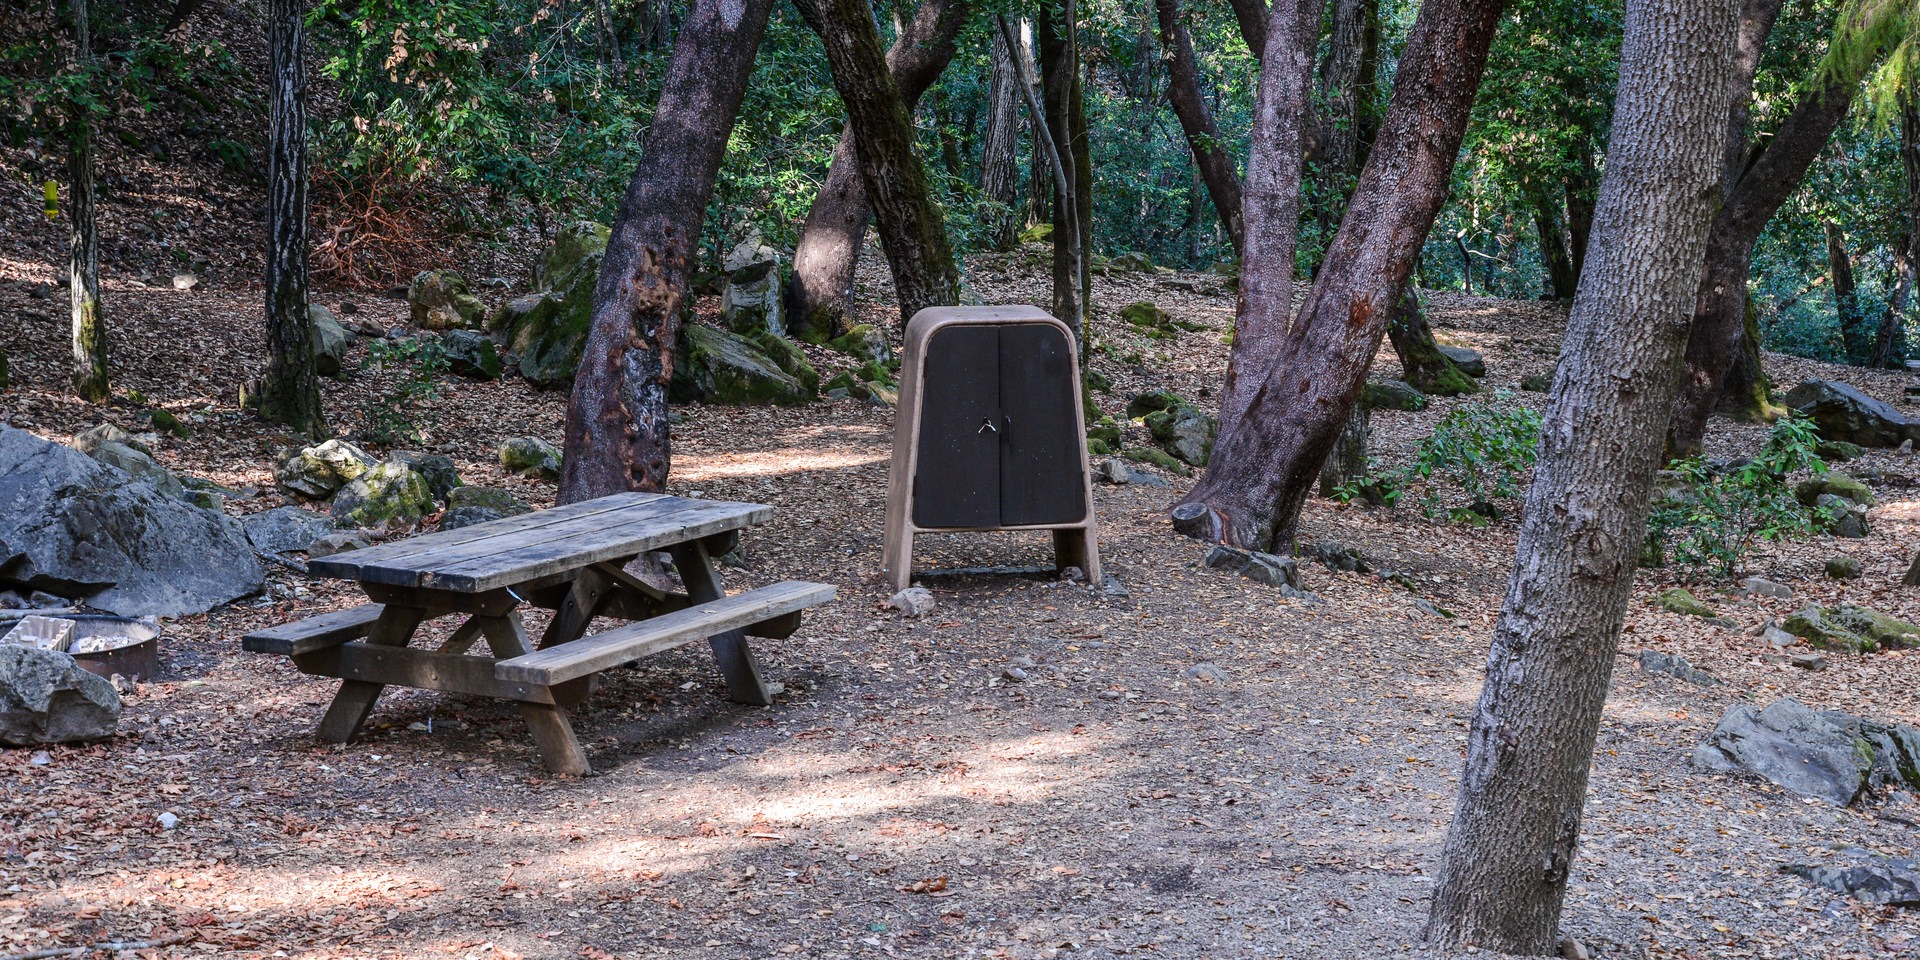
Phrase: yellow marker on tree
[53,200]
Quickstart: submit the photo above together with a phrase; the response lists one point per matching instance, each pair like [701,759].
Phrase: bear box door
[957,480]
[1042,478]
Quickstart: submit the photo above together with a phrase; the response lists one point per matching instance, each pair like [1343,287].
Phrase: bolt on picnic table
[571,560]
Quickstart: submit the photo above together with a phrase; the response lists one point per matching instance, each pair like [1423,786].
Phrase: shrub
[1714,519]
[1476,457]
[399,414]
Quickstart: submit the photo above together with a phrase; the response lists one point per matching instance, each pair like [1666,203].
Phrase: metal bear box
[990,434]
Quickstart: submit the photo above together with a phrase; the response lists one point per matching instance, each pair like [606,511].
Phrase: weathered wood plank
[595,653]
[346,566]
[421,669]
[313,633]
[510,568]
[407,570]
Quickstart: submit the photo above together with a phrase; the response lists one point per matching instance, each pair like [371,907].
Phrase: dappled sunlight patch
[771,463]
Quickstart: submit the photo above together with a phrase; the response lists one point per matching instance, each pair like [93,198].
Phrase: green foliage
[1709,519]
[1477,457]
[400,415]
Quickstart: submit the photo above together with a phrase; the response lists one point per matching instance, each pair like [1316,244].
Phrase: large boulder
[471,354]
[750,301]
[788,356]
[1184,431]
[546,332]
[285,530]
[1845,414]
[117,449]
[440,300]
[441,475]
[1895,747]
[1790,745]
[1810,490]
[467,506]
[331,341]
[389,494]
[82,529]
[46,698]
[531,457]
[718,367]
[317,472]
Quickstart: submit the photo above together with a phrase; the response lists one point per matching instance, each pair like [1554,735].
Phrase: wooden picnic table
[571,560]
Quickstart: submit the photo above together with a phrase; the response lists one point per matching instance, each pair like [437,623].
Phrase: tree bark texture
[1210,155]
[1556,253]
[1345,100]
[1889,345]
[1252,17]
[1509,851]
[609,37]
[1270,207]
[1348,461]
[1421,363]
[1262,471]
[1000,154]
[1846,299]
[617,433]
[820,301]
[83,252]
[1765,182]
[1056,37]
[291,391]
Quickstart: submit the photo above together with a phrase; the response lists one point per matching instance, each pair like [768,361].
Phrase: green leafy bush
[1709,519]
[1476,457]
[400,415]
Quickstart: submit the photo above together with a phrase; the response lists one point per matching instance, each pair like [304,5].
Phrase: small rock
[1869,878]
[1674,665]
[45,697]
[317,472]
[441,475]
[1014,673]
[1206,670]
[1762,587]
[1843,568]
[471,354]
[40,758]
[1259,567]
[339,542]
[531,457]
[1112,587]
[1469,361]
[913,602]
[1778,638]
[1574,950]
[1073,575]
[1809,661]
[1678,600]
[1114,472]
[440,300]
[1393,395]
[1426,606]
[185,281]
[168,821]
[331,341]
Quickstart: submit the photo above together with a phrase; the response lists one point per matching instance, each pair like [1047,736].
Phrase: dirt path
[905,798]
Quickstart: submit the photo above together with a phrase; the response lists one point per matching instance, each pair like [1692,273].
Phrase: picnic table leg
[355,699]
[729,648]
[552,733]
[589,593]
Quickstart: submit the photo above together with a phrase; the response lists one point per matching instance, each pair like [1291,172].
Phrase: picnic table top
[514,550]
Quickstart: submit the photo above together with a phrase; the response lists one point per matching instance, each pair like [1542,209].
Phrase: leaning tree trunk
[1555,252]
[1210,156]
[617,434]
[1251,15]
[290,393]
[1421,363]
[1719,313]
[821,298]
[1000,154]
[1346,76]
[1261,472]
[1509,852]
[1055,38]
[1889,346]
[83,261]
[1846,300]
[1271,208]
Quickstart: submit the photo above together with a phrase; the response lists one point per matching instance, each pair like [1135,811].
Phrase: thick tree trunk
[1056,39]
[821,297]
[1764,184]
[1348,461]
[1000,155]
[1210,156]
[1346,76]
[1746,396]
[1889,346]
[1271,207]
[1261,471]
[1846,299]
[291,392]
[1252,17]
[1421,362]
[617,433]
[83,260]
[1509,852]
[1556,254]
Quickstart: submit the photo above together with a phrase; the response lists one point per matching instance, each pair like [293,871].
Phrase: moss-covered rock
[1149,319]
[1393,395]
[788,356]
[1157,457]
[440,300]
[573,247]
[316,472]
[531,457]
[1838,451]
[471,354]
[1183,431]
[1678,600]
[1843,568]
[1103,433]
[721,368]
[165,422]
[467,506]
[546,331]
[1038,233]
[864,343]
[1131,262]
[1145,403]
[1854,628]
[388,494]
[438,470]
[1847,488]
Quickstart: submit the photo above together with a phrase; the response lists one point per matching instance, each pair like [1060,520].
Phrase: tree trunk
[1555,253]
[1348,461]
[1421,363]
[609,37]
[1345,81]
[1764,184]
[290,393]
[1846,300]
[1055,36]
[1000,155]
[820,301]
[1509,852]
[617,432]
[1746,396]
[1889,346]
[83,261]
[1210,156]
[1580,191]
[1271,207]
[1252,17]
[1261,472]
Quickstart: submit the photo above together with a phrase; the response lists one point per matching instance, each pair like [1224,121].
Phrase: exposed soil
[905,797]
